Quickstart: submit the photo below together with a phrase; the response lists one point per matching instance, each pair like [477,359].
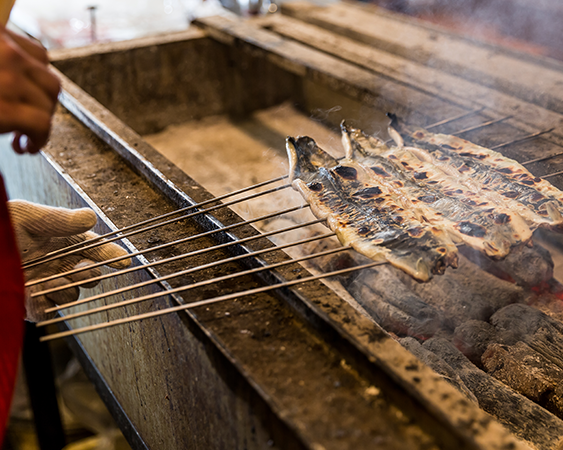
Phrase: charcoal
[438,365]
[527,372]
[392,305]
[466,293]
[473,337]
[520,415]
[526,266]
[533,327]
[550,300]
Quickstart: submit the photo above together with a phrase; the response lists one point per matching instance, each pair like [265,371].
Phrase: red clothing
[12,312]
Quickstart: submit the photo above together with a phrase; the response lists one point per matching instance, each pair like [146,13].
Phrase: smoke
[531,26]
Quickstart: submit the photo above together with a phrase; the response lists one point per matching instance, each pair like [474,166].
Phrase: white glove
[43,229]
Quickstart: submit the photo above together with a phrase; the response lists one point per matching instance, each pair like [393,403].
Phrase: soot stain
[416,231]
[368,192]
[427,198]
[348,173]
[379,171]
[315,186]
[363,230]
[501,218]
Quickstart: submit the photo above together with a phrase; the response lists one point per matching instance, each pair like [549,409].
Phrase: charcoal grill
[299,366]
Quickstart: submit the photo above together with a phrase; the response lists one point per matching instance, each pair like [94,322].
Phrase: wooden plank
[528,117]
[340,70]
[154,82]
[311,409]
[338,77]
[529,78]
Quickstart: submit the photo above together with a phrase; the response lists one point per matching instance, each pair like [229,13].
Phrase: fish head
[306,158]
[357,144]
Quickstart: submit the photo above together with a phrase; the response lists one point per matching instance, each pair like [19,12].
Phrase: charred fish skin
[477,226]
[354,211]
[536,200]
[508,167]
[510,223]
[380,200]
[545,209]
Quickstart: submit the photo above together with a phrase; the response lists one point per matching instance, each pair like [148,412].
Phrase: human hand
[43,229]
[28,92]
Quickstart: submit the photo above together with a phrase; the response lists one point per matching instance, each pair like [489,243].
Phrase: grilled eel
[501,179]
[367,216]
[441,200]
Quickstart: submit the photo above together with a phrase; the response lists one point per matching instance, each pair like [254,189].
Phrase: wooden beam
[533,79]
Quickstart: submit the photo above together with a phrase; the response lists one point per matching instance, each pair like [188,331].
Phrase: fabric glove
[43,229]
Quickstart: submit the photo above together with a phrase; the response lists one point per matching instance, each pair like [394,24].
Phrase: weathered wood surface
[154,82]
[234,67]
[513,73]
[337,77]
[417,74]
[360,89]
[447,411]
[533,27]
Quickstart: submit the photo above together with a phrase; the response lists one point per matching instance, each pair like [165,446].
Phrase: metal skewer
[206,302]
[452,119]
[551,175]
[176,258]
[525,138]
[73,249]
[190,270]
[476,127]
[96,241]
[482,125]
[168,244]
[191,286]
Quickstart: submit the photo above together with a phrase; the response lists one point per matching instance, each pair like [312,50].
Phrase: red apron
[12,311]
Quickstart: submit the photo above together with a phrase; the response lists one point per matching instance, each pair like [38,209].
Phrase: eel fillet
[499,178]
[365,215]
[442,201]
